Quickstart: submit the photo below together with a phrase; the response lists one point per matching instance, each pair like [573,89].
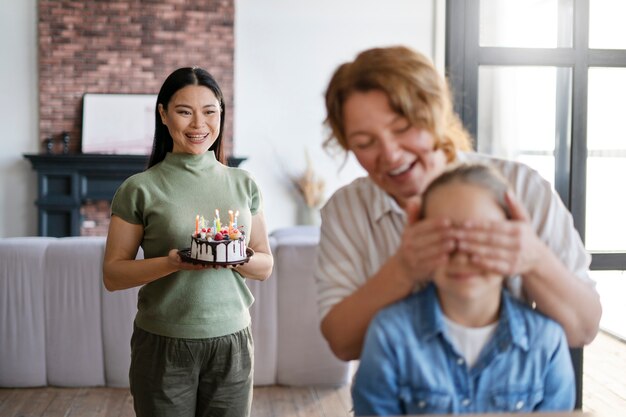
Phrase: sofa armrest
[264,316]
[304,357]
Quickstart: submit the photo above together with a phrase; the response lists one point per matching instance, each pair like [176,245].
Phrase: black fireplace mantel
[66,181]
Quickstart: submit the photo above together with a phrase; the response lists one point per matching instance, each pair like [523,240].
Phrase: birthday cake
[218,243]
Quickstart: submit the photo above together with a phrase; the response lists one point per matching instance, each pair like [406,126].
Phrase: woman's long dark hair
[177,80]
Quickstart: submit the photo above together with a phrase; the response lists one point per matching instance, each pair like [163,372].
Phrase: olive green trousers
[172,377]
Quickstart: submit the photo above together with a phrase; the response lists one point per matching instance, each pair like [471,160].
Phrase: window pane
[606,161]
[526,24]
[611,286]
[606,24]
[517,113]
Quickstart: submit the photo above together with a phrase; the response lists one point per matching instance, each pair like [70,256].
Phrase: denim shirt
[409,366]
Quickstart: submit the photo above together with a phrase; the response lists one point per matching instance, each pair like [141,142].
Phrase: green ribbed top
[165,199]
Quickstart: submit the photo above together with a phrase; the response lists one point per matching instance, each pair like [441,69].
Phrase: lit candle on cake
[197,219]
[230,223]
[236,215]
[218,225]
[202,227]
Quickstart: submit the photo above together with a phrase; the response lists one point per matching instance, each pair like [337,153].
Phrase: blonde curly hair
[415,90]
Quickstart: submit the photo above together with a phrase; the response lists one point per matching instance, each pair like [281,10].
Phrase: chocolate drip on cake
[203,247]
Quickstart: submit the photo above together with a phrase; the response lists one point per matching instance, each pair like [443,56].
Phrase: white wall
[18,117]
[285,53]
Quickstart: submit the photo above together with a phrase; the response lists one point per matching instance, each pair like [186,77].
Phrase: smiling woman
[397,155]
[393,111]
[189,103]
[187,311]
[193,119]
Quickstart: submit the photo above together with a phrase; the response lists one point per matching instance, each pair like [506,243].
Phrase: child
[463,344]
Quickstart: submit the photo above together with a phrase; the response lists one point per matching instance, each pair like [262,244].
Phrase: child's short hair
[483,176]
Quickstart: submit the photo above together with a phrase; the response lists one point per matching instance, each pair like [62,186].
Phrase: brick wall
[124,46]
[95,218]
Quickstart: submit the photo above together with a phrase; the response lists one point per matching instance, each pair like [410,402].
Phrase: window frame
[464,56]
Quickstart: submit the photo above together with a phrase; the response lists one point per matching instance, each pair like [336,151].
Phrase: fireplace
[74,190]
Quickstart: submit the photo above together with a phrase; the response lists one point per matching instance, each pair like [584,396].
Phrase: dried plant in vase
[310,186]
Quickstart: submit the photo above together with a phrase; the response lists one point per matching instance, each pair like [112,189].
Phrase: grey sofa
[59,326]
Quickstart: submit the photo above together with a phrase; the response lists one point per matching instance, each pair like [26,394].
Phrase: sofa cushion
[22,335]
[74,355]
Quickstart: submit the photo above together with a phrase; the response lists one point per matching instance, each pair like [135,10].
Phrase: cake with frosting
[218,243]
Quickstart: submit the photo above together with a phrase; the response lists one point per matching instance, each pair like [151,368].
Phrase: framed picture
[118,123]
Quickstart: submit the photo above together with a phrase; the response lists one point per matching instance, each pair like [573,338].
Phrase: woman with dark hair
[180,78]
[191,349]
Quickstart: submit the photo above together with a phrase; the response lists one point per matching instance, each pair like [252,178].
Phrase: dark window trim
[463,57]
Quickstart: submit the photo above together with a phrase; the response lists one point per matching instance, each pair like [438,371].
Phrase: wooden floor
[604,376]
[604,386]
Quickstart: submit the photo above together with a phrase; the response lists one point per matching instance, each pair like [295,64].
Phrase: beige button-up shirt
[362,226]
